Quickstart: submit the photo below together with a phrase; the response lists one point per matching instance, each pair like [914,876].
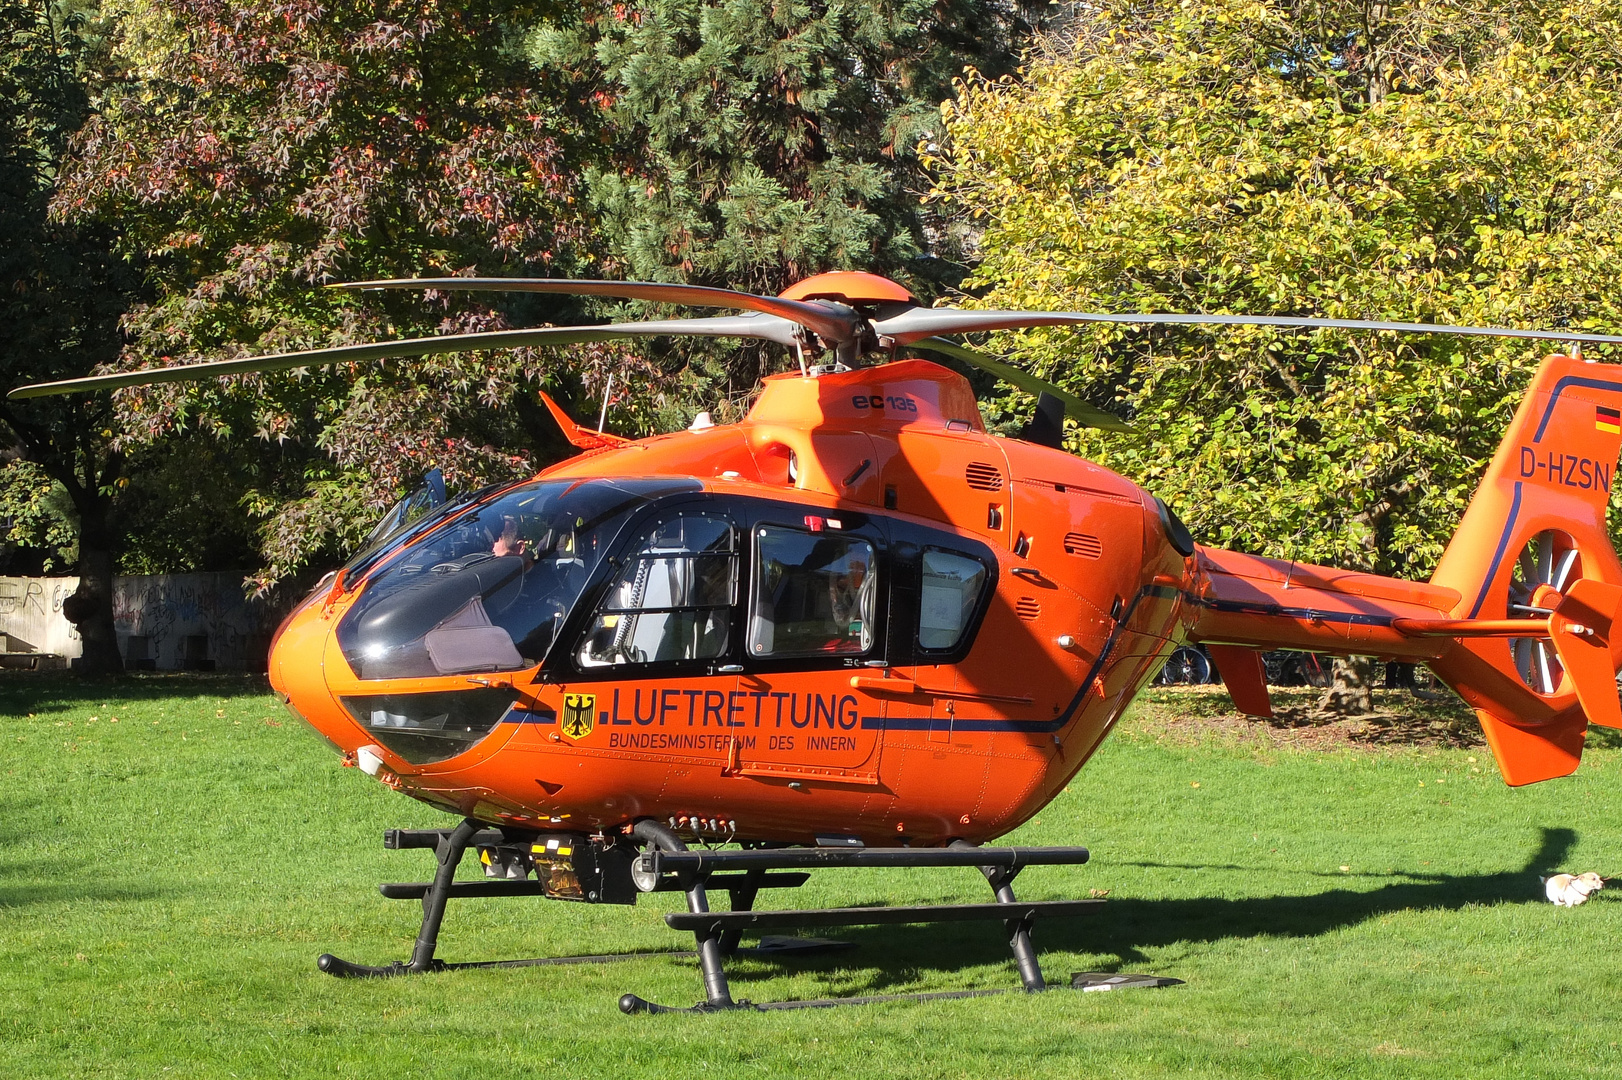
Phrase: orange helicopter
[857,629]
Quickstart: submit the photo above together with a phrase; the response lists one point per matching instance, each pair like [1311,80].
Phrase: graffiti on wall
[164,621]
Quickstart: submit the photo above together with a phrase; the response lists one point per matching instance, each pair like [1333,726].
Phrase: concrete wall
[31,615]
[164,622]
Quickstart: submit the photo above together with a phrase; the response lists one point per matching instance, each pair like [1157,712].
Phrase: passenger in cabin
[847,596]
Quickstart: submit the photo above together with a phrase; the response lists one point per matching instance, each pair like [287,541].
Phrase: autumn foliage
[254,153]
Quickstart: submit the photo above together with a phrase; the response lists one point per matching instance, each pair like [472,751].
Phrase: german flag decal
[1608,420]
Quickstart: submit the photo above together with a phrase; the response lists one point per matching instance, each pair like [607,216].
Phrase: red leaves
[287,142]
[259,120]
[385,37]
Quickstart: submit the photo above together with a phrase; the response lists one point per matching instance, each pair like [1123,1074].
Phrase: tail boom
[1518,618]
[1265,603]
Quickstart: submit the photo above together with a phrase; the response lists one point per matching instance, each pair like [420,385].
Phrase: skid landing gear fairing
[610,871]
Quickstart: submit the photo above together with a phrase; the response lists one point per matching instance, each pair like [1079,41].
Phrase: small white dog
[1569,890]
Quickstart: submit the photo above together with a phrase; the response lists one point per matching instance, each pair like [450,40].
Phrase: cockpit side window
[672,598]
[814,594]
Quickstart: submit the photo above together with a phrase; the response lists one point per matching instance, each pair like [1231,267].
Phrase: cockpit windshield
[489,589]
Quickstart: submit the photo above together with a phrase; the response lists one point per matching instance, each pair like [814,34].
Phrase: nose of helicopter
[392,654]
[391,730]
[295,669]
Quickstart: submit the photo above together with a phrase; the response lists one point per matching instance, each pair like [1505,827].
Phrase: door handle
[878,685]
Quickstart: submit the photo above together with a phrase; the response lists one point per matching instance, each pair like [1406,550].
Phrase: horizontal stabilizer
[583,437]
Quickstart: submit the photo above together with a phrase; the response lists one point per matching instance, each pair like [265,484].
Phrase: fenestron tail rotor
[1549,565]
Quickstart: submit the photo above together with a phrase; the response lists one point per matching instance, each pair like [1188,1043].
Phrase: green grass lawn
[175,853]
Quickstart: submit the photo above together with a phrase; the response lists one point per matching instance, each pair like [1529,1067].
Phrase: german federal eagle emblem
[579,715]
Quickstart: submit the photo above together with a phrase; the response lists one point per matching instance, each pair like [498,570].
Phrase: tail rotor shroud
[1548,566]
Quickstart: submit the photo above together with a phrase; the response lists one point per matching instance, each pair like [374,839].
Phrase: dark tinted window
[814,594]
[424,728]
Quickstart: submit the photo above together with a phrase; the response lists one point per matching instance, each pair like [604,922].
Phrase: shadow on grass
[24,692]
[895,959]
[55,892]
[1124,929]
[22,821]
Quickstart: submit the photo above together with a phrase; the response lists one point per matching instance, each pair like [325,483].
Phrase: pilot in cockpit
[509,542]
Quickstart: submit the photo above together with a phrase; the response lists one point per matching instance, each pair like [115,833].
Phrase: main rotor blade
[1078,410]
[907,327]
[836,325]
[766,327]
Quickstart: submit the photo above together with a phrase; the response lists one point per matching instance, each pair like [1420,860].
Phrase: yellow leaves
[1173,171]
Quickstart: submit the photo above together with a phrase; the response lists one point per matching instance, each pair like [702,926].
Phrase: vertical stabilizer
[1534,533]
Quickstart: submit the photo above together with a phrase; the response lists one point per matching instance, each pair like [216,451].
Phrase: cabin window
[672,599]
[951,588]
[814,594]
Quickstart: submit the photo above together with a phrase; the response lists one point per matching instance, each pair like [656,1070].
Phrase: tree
[1416,162]
[62,291]
[38,532]
[252,153]
[1219,161]
[746,145]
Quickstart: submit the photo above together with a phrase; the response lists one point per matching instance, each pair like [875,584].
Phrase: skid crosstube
[449,847]
[666,864]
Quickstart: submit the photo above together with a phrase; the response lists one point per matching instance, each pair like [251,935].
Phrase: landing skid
[667,865]
[767,947]
[1081,980]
